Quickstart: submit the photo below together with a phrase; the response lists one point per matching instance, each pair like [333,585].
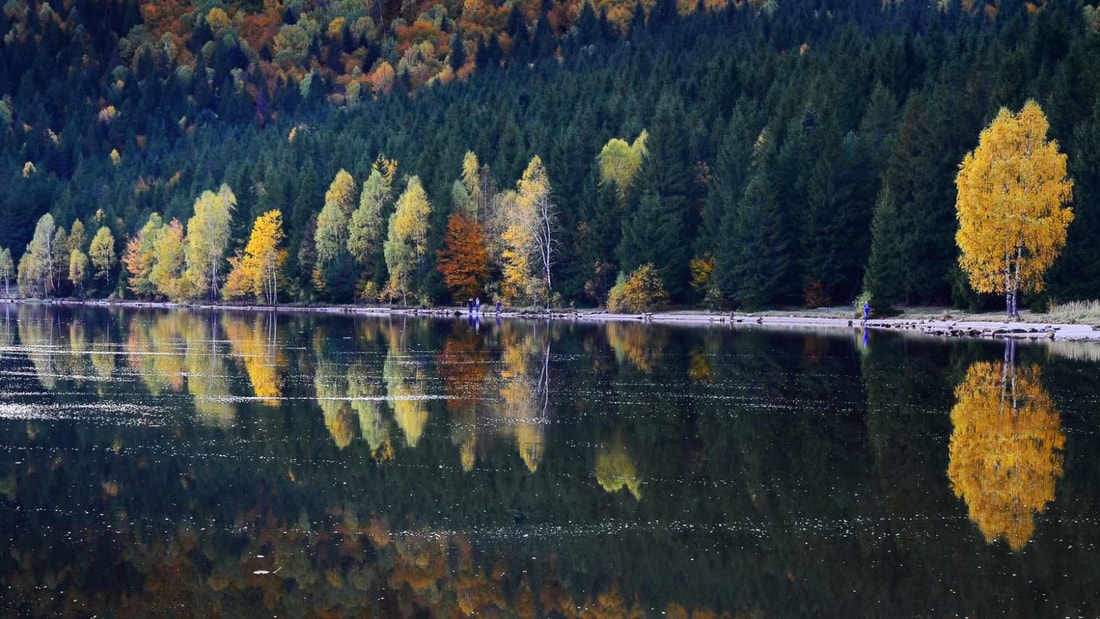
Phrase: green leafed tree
[141,256]
[103,256]
[170,251]
[406,242]
[59,265]
[7,270]
[208,239]
[36,267]
[366,226]
[884,278]
[620,162]
[331,237]
[79,269]
[77,236]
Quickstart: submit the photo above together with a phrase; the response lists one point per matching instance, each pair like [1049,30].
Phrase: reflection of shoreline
[962,328]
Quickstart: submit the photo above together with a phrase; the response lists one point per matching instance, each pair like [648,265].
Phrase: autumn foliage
[640,291]
[1006,449]
[258,271]
[1012,205]
[464,261]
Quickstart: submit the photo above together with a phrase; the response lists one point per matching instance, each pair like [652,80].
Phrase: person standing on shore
[866,311]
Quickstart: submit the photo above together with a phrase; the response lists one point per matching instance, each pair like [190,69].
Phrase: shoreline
[944,327]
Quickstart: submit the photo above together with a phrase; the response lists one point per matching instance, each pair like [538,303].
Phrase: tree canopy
[1012,205]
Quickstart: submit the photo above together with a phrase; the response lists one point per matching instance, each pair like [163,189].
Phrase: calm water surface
[188,463]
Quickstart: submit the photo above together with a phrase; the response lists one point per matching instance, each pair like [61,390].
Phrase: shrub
[641,291]
[864,297]
[815,295]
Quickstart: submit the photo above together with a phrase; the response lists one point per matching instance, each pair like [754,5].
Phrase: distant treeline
[789,155]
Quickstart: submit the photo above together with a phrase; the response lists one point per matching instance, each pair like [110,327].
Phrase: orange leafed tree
[463,261]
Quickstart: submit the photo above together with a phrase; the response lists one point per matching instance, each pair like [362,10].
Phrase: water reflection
[1006,449]
[615,469]
[236,464]
[405,373]
[254,341]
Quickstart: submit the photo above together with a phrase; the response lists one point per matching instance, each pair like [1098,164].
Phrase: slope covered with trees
[754,154]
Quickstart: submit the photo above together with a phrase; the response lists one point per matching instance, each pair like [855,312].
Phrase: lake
[249,464]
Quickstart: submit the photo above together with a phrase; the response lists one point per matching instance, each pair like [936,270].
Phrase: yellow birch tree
[259,271]
[331,237]
[1012,205]
[208,237]
[407,240]
[529,225]
[102,253]
[170,252]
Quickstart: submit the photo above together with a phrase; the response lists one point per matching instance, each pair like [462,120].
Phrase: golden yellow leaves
[259,271]
[529,225]
[620,162]
[1012,197]
[1006,449]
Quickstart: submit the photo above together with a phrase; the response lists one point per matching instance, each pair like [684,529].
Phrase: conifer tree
[655,229]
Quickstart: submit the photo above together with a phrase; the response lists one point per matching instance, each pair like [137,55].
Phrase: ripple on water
[115,413]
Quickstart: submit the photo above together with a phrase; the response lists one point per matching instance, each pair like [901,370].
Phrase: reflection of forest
[539,470]
[1006,449]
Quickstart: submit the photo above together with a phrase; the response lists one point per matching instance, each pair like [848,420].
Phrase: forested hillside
[755,154]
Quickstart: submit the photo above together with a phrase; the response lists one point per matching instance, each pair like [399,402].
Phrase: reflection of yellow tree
[347,392]
[331,385]
[102,355]
[524,393]
[365,391]
[405,381]
[153,351]
[639,344]
[257,348]
[700,369]
[7,327]
[1006,449]
[615,469]
[207,378]
[166,349]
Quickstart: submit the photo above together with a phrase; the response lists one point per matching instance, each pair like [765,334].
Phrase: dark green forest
[804,152]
